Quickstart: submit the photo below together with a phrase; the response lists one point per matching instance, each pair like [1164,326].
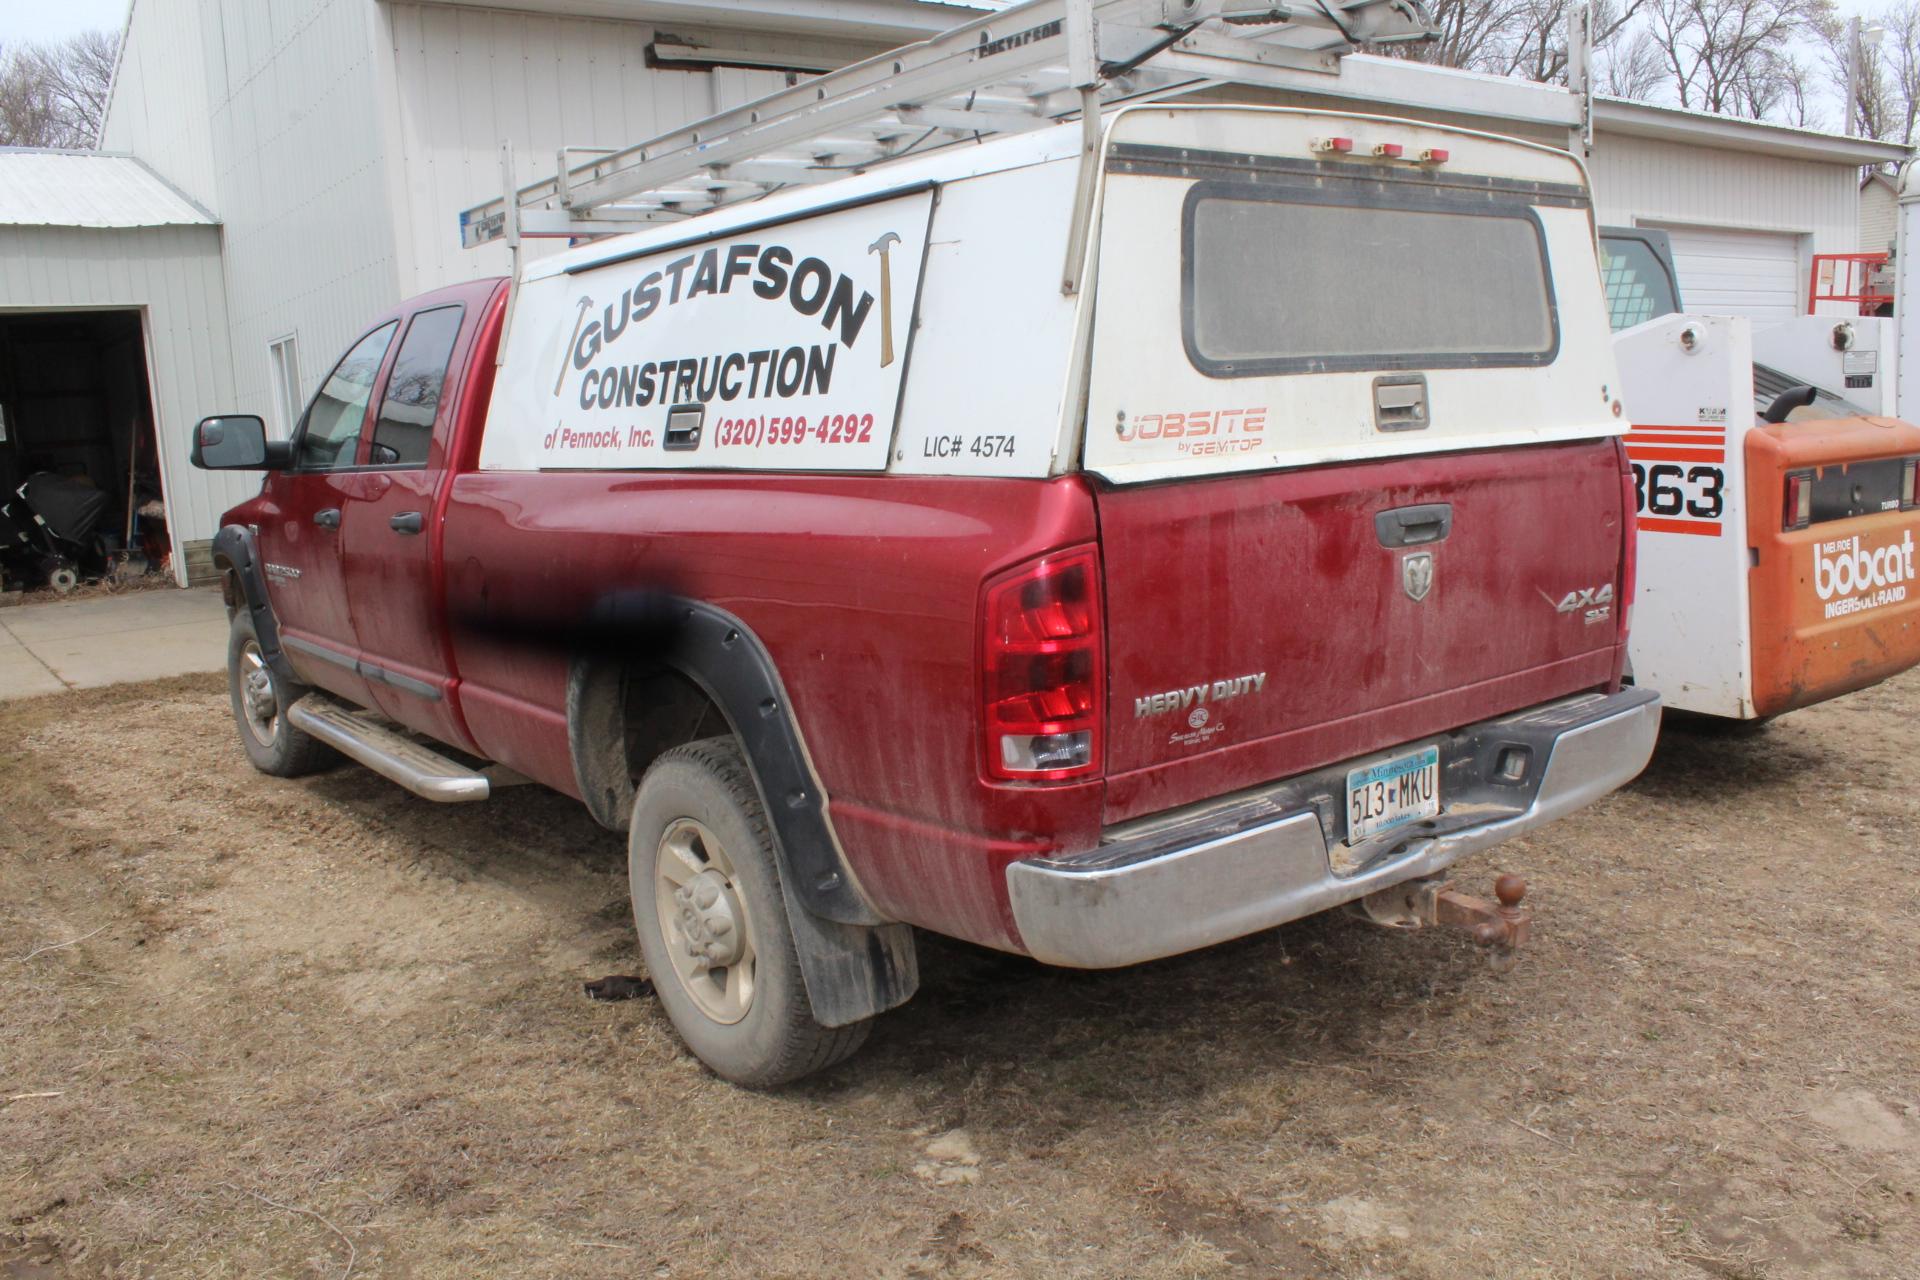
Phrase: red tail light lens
[1798,509]
[1043,669]
[1630,550]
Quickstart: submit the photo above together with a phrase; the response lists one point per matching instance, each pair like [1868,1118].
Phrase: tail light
[1797,512]
[1906,484]
[1630,544]
[1043,669]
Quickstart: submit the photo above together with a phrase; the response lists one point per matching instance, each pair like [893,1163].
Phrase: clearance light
[1906,484]
[1043,669]
[1340,146]
[1799,506]
[1390,150]
[1435,155]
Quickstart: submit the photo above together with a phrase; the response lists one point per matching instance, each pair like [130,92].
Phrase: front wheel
[713,923]
[260,702]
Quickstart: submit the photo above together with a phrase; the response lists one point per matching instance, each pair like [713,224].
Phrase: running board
[419,769]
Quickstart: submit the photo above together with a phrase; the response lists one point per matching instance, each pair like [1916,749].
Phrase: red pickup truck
[868,580]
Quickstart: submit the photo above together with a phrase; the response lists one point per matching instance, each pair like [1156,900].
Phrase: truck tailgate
[1260,625]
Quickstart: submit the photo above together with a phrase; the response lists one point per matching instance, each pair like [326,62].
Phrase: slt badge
[1416,575]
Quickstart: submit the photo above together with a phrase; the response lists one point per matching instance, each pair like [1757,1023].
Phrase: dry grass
[303,1021]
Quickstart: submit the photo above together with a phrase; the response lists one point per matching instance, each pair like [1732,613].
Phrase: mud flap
[852,972]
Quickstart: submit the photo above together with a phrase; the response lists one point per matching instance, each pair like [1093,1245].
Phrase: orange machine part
[1834,607]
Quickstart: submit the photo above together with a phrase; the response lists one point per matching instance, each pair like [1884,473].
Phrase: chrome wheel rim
[259,706]
[704,921]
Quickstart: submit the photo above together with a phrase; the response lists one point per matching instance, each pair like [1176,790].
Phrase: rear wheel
[260,701]
[713,924]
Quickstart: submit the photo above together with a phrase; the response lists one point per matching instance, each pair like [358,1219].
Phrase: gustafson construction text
[755,274]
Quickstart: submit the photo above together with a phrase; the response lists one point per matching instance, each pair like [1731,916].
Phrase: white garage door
[1739,273]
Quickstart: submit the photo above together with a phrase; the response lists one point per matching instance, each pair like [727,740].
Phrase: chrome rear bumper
[1165,887]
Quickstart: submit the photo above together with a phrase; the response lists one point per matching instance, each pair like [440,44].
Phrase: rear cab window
[403,433]
[1262,302]
[1639,285]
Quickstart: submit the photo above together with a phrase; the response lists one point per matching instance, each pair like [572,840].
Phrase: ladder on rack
[1025,67]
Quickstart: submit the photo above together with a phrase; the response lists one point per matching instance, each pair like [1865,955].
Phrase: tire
[697,814]
[273,745]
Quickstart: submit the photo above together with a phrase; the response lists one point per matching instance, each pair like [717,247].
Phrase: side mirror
[235,442]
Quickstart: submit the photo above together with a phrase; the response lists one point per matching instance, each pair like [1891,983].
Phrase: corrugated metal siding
[300,167]
[173,273]
[466,80]
[1879,214]
[159,106]
[267,114]
[1647,181]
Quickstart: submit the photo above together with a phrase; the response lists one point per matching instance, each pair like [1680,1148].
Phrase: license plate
[1392,793]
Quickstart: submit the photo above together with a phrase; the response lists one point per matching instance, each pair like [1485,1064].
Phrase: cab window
[1639,286]
[404,429]
[330,430]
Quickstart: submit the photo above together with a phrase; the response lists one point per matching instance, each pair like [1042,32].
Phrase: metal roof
[1735,133]
[46,188]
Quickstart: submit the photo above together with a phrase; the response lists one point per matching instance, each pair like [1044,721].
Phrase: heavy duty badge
[1416,575]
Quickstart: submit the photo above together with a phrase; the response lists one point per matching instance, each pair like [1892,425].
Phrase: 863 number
[1668,489]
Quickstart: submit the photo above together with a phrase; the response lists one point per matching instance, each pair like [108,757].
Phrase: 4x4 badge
[1416,575]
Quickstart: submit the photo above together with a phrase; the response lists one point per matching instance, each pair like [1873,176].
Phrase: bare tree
[1632,68]
[1526,38]
[55,95]
[1736,57]
[1887,89]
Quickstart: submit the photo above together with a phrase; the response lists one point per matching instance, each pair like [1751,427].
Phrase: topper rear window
[1298,280]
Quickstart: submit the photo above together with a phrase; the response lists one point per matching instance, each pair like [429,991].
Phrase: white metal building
[113,329]
[336,141]
[1879,212]
[1747,204]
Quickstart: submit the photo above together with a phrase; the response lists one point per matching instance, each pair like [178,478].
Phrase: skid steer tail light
[1043,669]
[1906,484]
[1798,509]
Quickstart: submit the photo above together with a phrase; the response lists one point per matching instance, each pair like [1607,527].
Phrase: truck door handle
[1414,526]
[405,522]
[327,517]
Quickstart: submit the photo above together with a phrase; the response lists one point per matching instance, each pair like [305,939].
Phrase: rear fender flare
[855,962]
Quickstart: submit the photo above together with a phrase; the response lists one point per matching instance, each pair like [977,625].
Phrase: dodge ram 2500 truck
[868,579]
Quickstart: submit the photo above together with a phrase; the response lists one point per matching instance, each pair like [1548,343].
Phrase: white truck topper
[964,262]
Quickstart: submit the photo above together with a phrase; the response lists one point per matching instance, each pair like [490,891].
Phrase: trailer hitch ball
[1501,926]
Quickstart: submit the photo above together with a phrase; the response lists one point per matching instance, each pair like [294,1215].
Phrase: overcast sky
[40,20]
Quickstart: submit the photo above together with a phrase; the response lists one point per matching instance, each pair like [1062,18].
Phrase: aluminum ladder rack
[1024,67]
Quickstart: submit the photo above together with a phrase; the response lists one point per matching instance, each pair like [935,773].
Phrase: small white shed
[1879,212]
[113,335]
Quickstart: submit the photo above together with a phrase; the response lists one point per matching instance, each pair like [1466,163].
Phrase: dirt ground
[257,1028]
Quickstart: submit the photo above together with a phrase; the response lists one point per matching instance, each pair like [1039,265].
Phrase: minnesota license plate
[1392,793]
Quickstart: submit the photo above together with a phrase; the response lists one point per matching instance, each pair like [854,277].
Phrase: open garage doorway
[80,474]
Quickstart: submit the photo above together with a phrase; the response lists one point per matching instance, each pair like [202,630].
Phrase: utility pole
[1858,38]
[1853,72]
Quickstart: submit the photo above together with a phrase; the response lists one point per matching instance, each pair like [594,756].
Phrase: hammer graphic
[566,353]
[880,247]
